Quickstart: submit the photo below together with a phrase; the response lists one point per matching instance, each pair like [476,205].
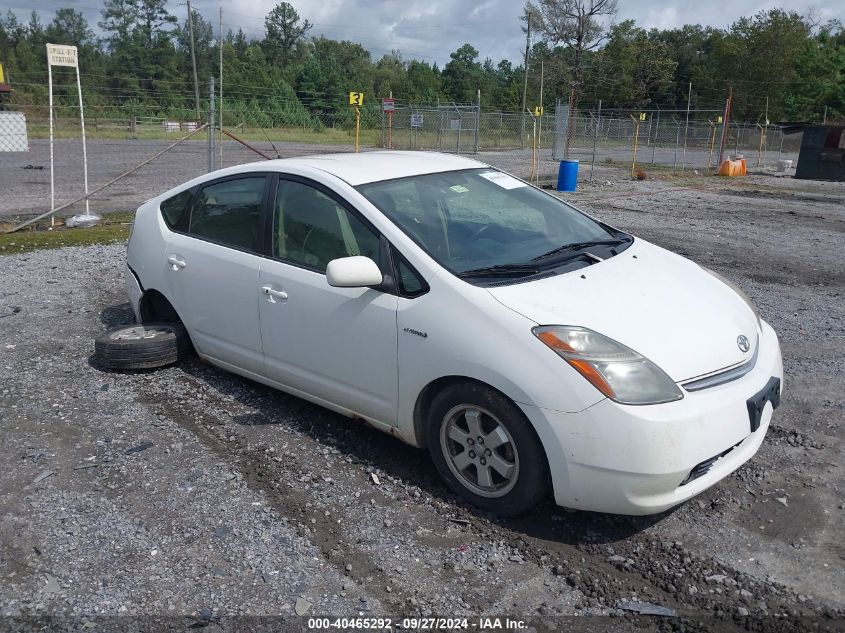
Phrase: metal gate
[459,128]
[446,128]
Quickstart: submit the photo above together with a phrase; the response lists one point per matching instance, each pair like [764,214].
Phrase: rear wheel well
[428,393]
[154,307]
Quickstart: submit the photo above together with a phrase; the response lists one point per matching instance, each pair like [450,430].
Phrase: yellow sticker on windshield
[458,188]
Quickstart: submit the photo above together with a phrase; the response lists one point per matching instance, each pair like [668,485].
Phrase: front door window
[311,229]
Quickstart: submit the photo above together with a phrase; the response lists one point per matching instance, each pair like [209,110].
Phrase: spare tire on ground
[142,346]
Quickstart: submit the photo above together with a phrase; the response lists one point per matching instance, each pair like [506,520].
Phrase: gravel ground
[193,493]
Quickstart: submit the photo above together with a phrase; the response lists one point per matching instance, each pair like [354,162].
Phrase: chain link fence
[13,137]
[443,128]
[117,142]
[139,135]
[667,139]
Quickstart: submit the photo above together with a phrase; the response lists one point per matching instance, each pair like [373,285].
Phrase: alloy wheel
[479,450]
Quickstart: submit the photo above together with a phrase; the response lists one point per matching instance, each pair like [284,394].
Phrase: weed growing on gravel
[114,227]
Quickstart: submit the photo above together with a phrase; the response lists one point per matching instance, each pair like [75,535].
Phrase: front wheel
[486,450]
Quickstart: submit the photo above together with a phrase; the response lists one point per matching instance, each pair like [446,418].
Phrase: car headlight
[738,291]
[617,371]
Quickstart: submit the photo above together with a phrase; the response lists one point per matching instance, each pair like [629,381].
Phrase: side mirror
[353,272]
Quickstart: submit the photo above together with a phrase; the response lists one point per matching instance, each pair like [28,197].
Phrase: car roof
[366,167]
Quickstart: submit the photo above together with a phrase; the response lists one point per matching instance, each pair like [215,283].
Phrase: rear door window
[229,213]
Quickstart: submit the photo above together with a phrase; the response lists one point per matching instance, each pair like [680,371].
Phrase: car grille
[722,377]
[699,470]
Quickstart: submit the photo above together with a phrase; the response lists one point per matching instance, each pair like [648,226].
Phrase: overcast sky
[431,29]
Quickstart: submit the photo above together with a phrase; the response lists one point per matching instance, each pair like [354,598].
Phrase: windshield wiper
[501,270]
[578,246]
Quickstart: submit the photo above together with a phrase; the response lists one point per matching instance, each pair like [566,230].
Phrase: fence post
[656,136]
[556,137]
[766,143]
[477,120]
[211,128]
[501,125]
[677,142]
[460,125]
[686,128]
[712,143]
[595,140]
[726,117]
[736,143]
[439,127]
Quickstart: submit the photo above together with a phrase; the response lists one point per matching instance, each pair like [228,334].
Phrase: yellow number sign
[356,98]
[642,116]
[538,111]
[2,78]
[719,120]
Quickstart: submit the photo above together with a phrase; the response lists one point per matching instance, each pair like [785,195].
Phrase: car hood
[657,303]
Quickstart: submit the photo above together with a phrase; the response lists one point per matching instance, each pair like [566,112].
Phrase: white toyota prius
[529,347]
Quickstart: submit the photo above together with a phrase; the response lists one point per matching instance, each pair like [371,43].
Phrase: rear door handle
[176,263]
[273,294]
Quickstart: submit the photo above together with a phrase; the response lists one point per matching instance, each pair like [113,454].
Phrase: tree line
[776,63]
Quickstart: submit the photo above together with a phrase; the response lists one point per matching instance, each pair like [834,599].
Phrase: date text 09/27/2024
[419,624]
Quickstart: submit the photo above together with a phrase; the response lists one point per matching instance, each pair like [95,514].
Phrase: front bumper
[642,459]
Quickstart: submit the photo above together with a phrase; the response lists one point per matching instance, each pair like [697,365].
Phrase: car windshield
[483,222]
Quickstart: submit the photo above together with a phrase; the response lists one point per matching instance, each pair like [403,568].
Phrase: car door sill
[385,427]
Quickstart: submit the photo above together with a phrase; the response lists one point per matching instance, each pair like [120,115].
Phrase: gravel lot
[193,493]
[25,176]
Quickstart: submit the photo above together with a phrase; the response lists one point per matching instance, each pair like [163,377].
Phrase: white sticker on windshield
[503,180]
[458,188]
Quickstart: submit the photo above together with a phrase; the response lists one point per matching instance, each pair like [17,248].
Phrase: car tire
[142,346]
[507,472]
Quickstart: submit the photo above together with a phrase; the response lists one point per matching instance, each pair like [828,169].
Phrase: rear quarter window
[174,210]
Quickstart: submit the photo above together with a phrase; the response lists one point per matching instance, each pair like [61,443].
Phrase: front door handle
[176,263]
[273,294]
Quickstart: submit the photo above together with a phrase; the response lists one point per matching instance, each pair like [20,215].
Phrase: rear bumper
[133,291]
[641,459]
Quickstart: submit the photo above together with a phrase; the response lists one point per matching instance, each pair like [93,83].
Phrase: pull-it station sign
[62,55]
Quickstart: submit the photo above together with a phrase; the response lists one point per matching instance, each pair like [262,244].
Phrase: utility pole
[525,79]
[193,59]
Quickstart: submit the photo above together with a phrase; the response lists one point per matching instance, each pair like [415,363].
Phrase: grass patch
[114,227]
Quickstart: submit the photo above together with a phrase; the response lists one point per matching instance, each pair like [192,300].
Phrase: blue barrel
[567,175]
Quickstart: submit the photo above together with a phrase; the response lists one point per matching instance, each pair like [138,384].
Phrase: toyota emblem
[742,343]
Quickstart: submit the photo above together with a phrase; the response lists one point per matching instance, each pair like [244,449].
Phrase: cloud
[431,29]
